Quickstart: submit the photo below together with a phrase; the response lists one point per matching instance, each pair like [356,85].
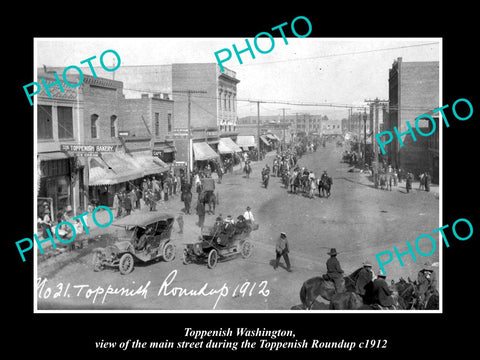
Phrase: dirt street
[358,220]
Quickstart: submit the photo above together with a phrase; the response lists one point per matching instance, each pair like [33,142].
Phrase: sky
[340,71]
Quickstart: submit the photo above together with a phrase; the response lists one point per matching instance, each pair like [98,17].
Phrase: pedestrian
[120,204]
[128,204]
[382,295]
[408,182]
[334,270]
[200,212]
[133,198]
[138,194]
[248,215]
[115,203]
[151,200]
[180,222]
[428,181]
[422,181]
[282,249]
[45,222]
[166,189]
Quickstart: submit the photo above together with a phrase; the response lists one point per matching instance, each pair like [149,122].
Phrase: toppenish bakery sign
[87,150]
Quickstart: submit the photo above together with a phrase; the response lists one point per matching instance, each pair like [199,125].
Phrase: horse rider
[334,270]
[427,277]
[365,276]
[381,293]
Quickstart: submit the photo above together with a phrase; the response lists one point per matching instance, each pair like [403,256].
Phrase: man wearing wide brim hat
[281,249]
[428,281]
[365,277]
[381,293]
[334,270]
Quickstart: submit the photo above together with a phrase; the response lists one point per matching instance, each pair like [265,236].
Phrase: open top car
[147,238]
[220,242]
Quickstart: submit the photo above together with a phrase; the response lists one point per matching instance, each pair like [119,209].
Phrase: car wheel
[212,259]
[169,252]
[126,264]
[246,249]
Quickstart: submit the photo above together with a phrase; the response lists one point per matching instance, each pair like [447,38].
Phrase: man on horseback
[365,277]
[382,295]
[334,271]
[427,284]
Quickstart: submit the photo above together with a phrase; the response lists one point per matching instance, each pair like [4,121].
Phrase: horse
[265,178]
[209,199]
[324,186]
[318,285]
[247,169]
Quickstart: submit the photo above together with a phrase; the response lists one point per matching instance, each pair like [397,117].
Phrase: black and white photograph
[264,182]
[210,181]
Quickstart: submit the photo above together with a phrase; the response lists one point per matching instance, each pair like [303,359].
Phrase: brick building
[80,153]
[413,91]
[213,108]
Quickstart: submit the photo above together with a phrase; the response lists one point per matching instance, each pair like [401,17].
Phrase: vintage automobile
[217,243]
[148,239]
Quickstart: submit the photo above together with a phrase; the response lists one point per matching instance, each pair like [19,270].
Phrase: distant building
[213,107]
[413,91]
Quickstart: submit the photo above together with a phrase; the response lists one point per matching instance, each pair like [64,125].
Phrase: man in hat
[427,283]
[281,249]
[180,222]
[248,215]
[381,293]
[365,277]
[334,270]
[200,212]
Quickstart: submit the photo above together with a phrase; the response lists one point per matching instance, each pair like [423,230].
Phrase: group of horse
[407,295]
[305,182]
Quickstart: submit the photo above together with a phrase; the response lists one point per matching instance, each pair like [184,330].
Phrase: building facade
[413,91]
[92,142]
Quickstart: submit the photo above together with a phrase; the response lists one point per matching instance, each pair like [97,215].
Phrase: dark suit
[364,277]
[381,293]
[335,272]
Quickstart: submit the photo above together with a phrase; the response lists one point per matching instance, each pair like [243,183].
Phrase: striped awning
[117,167]
[227,146]
[245,141]
[202,151]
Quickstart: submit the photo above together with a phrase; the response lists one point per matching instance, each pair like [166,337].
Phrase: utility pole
[375,129]
[283,125]
[189,136]
[258,129]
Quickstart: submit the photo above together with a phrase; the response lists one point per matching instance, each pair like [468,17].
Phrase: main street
[358,220]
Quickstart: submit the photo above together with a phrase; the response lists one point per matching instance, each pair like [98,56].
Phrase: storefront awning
[112,168]
[150,164]
[246,141]
[265,140]
[56,155]
[227,146]
[117,167]
[202,151]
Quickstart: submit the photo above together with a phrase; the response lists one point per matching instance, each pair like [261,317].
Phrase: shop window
[157,124]
[169,122]
[113,126]
[93,126]
[44,122]
[65,122]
